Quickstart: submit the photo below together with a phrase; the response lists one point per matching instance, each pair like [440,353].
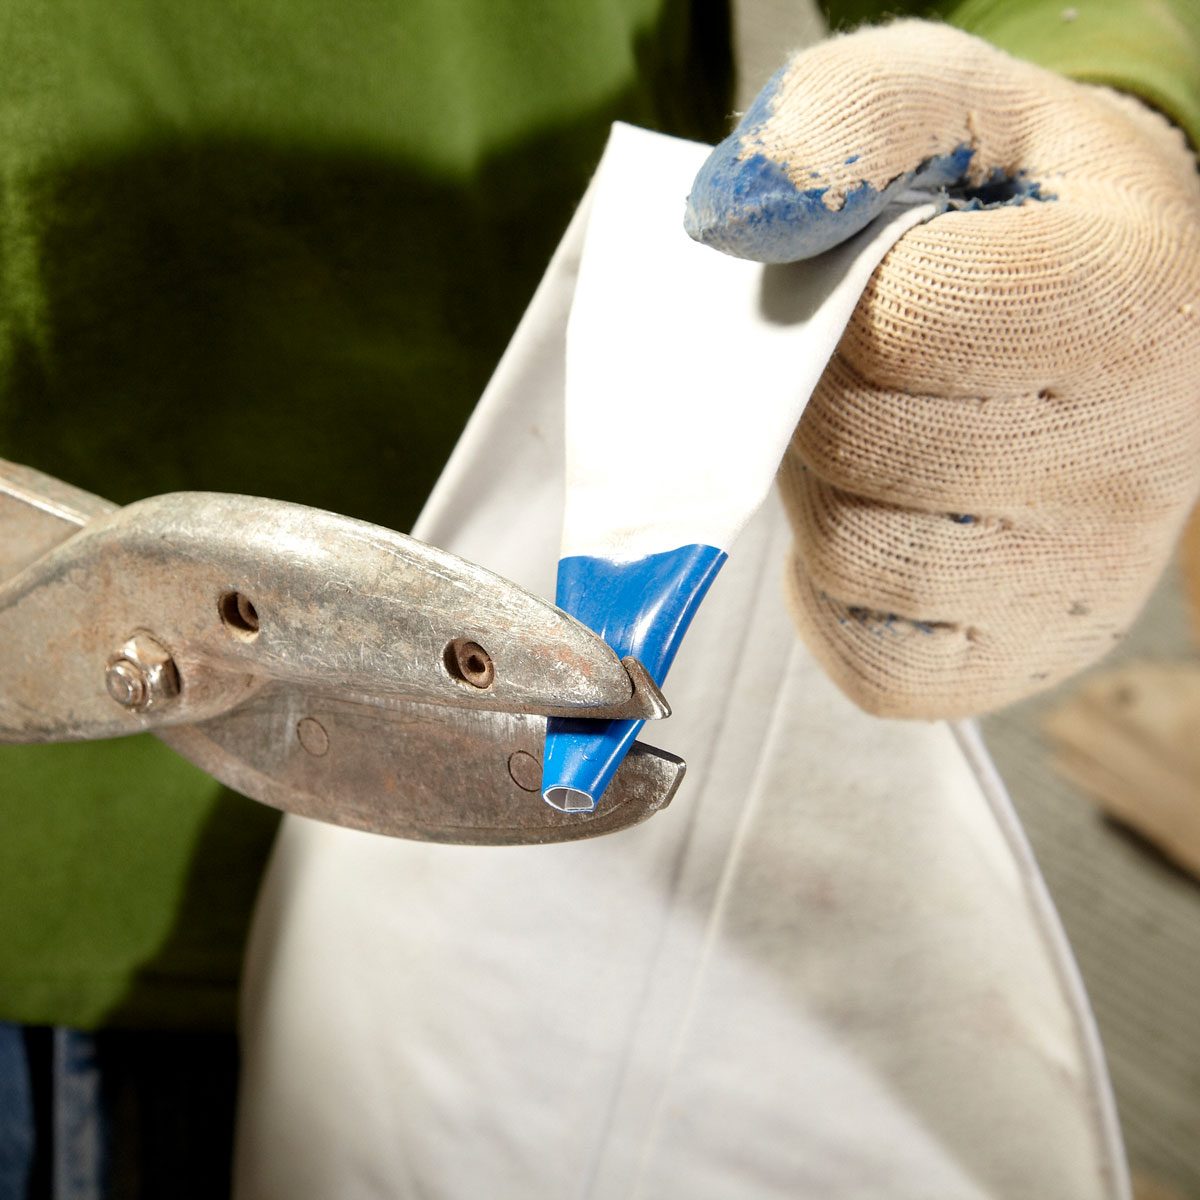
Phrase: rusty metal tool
[322,665]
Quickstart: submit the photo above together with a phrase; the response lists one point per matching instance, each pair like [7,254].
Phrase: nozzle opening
[569,800]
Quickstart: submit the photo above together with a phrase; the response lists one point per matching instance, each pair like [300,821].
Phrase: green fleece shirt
[272,247]
[276,247]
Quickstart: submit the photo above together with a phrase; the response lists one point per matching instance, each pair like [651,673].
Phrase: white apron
[829,970]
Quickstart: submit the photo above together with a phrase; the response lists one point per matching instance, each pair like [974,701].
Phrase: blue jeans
[17,1135]
[115,1115]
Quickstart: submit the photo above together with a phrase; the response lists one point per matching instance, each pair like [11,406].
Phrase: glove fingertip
[744,203]
[747,206]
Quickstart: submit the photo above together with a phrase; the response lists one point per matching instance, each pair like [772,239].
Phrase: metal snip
[317,663]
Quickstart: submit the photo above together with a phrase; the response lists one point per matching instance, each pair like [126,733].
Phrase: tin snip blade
[316,663]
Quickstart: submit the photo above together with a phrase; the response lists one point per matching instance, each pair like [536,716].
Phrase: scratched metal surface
[354,687]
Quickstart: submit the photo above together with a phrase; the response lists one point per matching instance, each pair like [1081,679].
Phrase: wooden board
[1189,559]
[1130,739]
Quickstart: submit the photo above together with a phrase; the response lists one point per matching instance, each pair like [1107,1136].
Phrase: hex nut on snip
[142,675]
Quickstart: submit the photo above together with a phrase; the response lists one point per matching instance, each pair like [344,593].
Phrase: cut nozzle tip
[568,799]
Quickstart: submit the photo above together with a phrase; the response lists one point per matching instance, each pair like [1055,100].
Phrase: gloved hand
[994,468]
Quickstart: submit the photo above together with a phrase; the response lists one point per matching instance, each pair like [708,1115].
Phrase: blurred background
[1105,772]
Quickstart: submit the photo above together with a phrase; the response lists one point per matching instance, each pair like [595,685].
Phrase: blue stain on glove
[746,205]
[641,608]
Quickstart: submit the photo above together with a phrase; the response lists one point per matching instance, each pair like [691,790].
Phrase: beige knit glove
[994,468]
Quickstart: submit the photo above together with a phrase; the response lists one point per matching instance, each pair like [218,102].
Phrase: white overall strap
[765,34]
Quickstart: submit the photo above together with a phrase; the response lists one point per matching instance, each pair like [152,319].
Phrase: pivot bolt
[142,675]
[469,663]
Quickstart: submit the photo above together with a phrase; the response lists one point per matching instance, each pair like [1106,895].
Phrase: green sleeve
[270,248]
[1150,48]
